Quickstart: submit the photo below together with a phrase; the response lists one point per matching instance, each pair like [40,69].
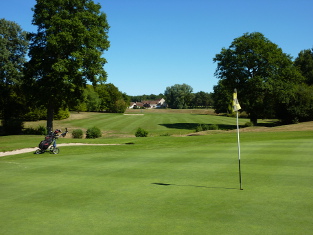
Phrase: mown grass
[156,122]
[175,184]
[163,185]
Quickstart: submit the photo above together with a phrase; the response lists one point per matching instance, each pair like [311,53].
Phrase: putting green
[163,185]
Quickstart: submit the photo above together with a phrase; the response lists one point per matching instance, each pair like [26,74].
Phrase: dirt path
[27,150]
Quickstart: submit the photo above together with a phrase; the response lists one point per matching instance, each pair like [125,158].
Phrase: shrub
[199,128]
[93,133]
[204,127]
[243,115]
[35,114]
[32,116]
[213,127]
[62,114]
[141,133]
[41,130]
[77,134]
[248,124]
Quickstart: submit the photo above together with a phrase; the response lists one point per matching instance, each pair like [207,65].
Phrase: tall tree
[66,51]
[92,99]
[221,99]
[261,72]
[298,107]
[112,100]
[13,48]
[178,96]
[304,62]
[202,99]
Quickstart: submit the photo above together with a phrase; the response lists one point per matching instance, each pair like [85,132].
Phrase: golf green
[163,185]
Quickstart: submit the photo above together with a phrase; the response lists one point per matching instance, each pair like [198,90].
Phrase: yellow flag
[236,105]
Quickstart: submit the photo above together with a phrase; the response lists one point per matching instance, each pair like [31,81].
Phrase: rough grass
[163,185]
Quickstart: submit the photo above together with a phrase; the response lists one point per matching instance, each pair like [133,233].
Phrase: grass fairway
[163,185]
[156,122]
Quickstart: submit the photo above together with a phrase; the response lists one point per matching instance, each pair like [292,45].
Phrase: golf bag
[49,143]
[44,144]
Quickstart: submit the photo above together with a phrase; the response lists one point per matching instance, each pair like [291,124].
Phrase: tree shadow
[196,186]
[270,124]
[188,126]
[193,126]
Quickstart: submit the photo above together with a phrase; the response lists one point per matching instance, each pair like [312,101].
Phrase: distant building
[149,104]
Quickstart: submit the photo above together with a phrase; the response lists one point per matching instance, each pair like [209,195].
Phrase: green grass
[163,185]
[156,123]
[13,142]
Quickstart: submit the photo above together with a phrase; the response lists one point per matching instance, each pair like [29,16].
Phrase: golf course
[175,181]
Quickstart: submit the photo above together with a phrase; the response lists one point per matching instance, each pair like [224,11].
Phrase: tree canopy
[13,48]
[263,75]
[146,97]
[202,99]
[66,51]
[112,100]
[178,96]
[304,62]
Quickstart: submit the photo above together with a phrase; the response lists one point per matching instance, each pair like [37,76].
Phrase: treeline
[101,98]
[178,97]
[139,98]
[181,96]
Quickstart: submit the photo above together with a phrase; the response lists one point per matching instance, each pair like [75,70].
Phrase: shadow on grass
[193,126]
[270,124]
[196,186]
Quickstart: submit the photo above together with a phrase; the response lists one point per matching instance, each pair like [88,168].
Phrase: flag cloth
[236,105]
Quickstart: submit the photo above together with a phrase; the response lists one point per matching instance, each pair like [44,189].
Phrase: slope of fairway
[163,185]
[156,123]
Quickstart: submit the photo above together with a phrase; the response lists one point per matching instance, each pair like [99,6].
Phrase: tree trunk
[254,121]
[50,117]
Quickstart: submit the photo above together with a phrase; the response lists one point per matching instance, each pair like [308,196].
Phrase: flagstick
[238,151]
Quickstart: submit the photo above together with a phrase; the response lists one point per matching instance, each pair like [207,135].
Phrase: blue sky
[160,43]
